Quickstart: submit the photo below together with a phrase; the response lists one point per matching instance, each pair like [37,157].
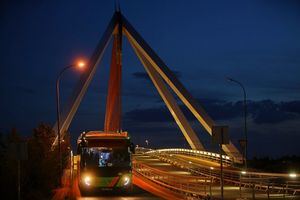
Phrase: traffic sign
[220,134]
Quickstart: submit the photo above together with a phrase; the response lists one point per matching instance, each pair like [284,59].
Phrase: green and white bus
[104,161]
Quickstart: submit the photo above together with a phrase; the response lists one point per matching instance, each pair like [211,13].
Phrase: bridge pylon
[159,73]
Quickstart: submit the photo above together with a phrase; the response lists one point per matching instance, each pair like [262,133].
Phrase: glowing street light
[80,65]
[147,142]
[243,172]
[292,175]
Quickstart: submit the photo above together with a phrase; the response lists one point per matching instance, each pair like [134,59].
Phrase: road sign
[220,135]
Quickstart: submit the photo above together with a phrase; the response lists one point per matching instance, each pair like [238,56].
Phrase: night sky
[255,42]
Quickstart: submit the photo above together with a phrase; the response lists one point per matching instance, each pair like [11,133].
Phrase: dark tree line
[284,164]
[40,172]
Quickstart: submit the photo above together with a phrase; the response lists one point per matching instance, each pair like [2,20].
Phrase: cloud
[262,112]
[269,112]
[271,125]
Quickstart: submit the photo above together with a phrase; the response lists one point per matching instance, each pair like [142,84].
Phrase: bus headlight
[87,180]
[126,180]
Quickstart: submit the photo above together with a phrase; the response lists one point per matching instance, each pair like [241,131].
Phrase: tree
[40,173]
[8,167]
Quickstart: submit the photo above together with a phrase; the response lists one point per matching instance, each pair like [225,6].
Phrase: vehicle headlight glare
[126,180]
[87,180]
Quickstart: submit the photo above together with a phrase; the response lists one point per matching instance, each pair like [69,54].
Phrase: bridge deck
[183,168]
[178,176]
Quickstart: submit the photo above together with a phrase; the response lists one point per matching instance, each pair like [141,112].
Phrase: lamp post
[245,143]
[210,182]
[78,65]
[147,142]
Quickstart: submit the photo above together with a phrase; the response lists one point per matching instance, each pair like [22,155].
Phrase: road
[61,193]
[160,165]
[230,191]
[148,189]
[136,194]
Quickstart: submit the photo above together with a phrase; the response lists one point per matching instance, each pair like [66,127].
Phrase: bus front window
[105,157]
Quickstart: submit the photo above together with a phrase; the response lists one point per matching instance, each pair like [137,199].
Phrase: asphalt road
[136,194]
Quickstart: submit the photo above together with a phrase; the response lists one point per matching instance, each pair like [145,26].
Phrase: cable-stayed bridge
[166,173]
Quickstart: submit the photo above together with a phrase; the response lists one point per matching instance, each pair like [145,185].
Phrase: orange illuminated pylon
[113,102]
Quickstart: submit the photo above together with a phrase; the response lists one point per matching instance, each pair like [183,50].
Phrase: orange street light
[79,65]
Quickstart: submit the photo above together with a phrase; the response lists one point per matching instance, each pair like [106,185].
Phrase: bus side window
[132,148]
[79,149]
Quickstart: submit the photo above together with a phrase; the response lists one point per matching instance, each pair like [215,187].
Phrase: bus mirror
[132,148]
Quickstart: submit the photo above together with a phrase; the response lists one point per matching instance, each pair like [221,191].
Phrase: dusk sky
[256,42]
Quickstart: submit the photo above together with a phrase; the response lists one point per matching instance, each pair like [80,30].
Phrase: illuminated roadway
[194,181]
[196,173]
[177,174]
[137,194]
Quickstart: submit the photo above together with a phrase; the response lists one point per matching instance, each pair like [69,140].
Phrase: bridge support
[85,79]
[160,75]
[167,75]
[170,102]
[113,112]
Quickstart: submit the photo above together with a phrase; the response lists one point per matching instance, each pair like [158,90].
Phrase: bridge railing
[187,185]
[215,157]
[268,182]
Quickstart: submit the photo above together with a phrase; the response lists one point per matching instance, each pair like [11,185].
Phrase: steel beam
[170,102]
[85,79]
[175,84]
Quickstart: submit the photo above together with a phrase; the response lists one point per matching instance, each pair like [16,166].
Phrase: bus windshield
[105,157]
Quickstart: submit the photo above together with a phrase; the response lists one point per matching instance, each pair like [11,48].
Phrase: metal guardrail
[266,182]
[215,157]
[139,150]
[191,187]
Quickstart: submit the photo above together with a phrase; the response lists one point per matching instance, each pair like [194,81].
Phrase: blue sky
[255,42]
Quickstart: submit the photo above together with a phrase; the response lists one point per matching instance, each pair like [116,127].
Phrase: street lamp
[79,65]
[147,142]
[210,182]
[245,143]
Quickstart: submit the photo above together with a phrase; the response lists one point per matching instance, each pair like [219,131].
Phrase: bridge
[192,174]
[169,173]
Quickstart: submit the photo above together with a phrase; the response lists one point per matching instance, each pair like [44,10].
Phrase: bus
[104,161]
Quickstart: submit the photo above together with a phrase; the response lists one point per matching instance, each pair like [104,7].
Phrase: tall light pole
[245,143]
[147,142]
[77,65]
